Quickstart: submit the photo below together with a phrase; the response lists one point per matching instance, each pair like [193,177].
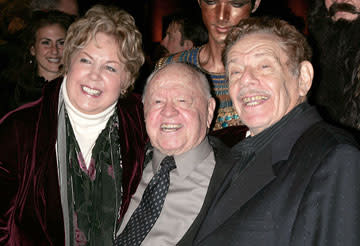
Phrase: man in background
[219,16]
[334,27]
[183,33]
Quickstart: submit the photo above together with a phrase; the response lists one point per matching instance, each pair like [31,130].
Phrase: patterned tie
[149,209]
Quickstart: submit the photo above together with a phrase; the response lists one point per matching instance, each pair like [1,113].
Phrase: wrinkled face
[261,86]
[220,15]
[172,40]
[96,75]
[48,50]
[177,114]
[344,9]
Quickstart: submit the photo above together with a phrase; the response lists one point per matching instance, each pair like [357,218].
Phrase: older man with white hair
[183,167]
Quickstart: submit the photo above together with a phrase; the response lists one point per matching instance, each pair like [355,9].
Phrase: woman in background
[43,48]
[71,160]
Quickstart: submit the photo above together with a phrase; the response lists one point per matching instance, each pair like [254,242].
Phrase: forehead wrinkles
[257,46]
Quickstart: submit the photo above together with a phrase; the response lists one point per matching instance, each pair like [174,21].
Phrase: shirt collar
[286,131]
[186,162]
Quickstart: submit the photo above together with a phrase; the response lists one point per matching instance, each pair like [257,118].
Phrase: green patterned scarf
[94,194]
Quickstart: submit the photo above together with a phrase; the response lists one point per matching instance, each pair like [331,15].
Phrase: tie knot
[168,163]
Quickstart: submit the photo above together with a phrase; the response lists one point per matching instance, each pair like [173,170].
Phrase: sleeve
[8,176]
[329,212]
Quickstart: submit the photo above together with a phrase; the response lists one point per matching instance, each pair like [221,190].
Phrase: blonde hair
[111,21]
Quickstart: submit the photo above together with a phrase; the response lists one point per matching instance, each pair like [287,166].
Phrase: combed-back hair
[291,40]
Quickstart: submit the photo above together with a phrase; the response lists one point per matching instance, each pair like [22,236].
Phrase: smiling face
[48,50]
[344,9]
[261,86]
[177,111]
[95,76]
[220,15]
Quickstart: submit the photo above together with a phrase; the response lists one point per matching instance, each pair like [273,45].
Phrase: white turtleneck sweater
[86,127]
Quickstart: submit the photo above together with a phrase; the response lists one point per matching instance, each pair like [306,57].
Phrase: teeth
[90,91]
[251,101]
[54,60]
[170,127]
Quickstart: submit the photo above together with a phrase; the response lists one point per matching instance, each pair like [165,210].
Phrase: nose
[169,109]
[248,77]
[163,42]
[223,12]
[54,49]
[95,72]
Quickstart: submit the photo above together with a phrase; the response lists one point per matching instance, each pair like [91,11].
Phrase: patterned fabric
[225,115]
[93,207]
[149,209]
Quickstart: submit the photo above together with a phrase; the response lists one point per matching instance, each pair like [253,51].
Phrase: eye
[239,4]
[84,60]
[110,68]
[235,72]
[60,42]
[183,102]
[210,2]
[157,101]
[45,42]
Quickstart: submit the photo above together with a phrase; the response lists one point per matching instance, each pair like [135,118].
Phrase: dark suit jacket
[223,164]
[303,188]
[30,205]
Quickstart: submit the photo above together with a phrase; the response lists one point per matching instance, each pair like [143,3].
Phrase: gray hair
[204,82]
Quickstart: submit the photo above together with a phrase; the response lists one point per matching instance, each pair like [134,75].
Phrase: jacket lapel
[222,167]
[257,174]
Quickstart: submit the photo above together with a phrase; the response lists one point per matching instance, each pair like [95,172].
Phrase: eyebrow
[257,55]
[110,61]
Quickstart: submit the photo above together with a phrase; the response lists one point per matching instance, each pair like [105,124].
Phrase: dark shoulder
[27,115]
[220,149]
[330,135]
[130,102]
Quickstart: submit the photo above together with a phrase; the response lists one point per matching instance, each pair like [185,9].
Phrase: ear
[188,44]
[256,5]
[199,2]
[32,50]
[211,109]
[305,77]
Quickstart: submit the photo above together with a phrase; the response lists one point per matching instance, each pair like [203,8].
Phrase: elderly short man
[296,178]
[178,112]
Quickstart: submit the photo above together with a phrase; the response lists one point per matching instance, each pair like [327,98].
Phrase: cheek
[238,15]
[151,120]
[233,92]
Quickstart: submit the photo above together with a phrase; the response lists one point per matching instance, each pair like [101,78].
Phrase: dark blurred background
[149,14]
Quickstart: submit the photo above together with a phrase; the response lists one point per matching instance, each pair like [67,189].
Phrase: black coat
[223,165]
[303,188]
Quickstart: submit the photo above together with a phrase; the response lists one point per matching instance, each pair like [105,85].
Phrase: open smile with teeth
[254,100]
[170,127]
[54,60]
[91,92]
